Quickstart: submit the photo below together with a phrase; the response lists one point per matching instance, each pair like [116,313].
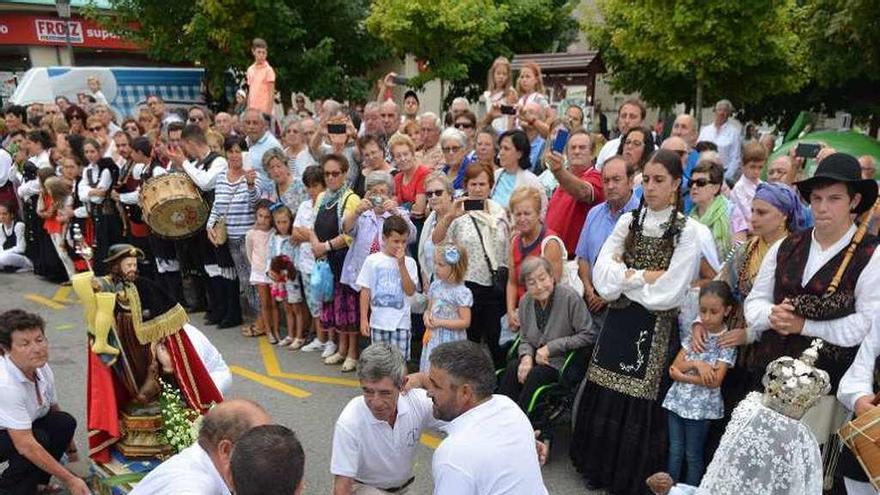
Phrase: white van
[124,87]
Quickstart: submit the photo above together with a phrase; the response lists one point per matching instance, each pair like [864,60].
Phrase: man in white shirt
[34,431]
[857,392]
[200,468]
[259,141]
[726,136]
[489,449]
[789,298]
[377,434]
[631,114]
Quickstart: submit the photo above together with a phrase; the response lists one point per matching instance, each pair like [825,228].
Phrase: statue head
[793,386]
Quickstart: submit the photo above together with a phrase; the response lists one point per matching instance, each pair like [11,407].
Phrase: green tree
[691,51]
[459,39]
[317,47]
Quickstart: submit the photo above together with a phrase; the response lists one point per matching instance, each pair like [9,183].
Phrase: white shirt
[211,358]
[729,144]
[858,381]
[370,451]
[91,174]
[608,150]
[17,229]
[305,218]
[21,405]
[190,472]
[32,187]
[609,275]
[205,179]
[847,331]
[389,305]
[490,450]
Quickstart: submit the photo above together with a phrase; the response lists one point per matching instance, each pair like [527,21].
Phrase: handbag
[219,229]
[500,274]
[570,276]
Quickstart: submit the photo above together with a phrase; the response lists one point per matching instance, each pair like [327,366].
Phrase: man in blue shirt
[259,141]
[617,181]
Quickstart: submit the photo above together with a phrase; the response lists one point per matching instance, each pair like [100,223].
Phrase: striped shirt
[236,202]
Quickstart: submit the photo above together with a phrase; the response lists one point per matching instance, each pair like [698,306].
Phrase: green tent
[850,142]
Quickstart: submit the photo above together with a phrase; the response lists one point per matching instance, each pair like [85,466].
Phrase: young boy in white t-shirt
[386,281]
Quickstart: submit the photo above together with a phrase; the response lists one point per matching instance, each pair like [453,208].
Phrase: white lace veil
[764,452]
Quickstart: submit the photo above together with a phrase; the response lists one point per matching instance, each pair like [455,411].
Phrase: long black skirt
[620,433]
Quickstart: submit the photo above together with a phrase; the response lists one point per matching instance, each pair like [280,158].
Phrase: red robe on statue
[106,393]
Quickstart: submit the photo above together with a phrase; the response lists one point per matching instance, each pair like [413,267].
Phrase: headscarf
[784,199]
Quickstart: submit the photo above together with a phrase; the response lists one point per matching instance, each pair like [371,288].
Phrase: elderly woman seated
[553,321]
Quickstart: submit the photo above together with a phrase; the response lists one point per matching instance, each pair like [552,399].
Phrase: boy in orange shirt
[261,79]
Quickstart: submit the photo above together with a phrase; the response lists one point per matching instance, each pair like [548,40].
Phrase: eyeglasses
[435,193]
[96,128]
[451,149]
[332,173]
[463,125]
[701,182]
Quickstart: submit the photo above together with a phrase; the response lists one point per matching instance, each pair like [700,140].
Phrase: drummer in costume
[858,393]
[167,268]
[136,338]
[203,167]
[820,282]
[643,270]
[126,195]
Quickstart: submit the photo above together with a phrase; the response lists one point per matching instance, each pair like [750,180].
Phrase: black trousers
[522,393]
[54,432]
[486,321]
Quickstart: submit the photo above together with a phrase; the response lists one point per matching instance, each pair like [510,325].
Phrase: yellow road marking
[269,382]
[45,301]
[430,441]
[273,368]
[62,295]
[66,326]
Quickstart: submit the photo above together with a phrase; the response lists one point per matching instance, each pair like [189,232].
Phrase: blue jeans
[687,440]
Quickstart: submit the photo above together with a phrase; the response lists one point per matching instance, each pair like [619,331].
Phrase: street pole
[63,8]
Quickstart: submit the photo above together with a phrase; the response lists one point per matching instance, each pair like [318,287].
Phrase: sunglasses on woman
[434,193]
[701,182]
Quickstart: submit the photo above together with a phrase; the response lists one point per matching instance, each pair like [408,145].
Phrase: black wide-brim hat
[120,251]
[841,167]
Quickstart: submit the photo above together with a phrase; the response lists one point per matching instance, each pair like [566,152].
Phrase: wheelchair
[551,402]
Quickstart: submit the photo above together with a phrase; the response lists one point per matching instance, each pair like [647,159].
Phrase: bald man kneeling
[200,468]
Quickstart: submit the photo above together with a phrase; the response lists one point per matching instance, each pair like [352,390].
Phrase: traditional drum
[173,206]
[862,436]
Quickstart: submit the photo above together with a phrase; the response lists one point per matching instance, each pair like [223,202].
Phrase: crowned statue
[135,345]
[766,448]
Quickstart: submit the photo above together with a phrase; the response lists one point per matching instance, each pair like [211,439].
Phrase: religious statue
[135,339]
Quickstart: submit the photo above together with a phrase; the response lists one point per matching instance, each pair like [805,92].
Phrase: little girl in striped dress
[449,301]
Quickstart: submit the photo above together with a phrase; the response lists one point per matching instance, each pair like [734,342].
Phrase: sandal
[252,330]
[273,340]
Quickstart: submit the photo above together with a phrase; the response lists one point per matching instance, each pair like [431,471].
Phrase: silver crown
[793,386]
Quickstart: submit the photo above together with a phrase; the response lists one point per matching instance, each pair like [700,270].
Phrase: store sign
[59,31]
[28,29]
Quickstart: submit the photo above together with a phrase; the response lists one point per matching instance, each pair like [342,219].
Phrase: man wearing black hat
[143,343]
[791,294]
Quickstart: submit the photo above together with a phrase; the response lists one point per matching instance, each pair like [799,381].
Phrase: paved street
[296,388]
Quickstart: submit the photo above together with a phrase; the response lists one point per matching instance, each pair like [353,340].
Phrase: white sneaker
[329,349]
[314,345]
[285,341]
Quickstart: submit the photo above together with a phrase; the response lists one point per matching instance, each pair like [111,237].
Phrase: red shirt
[520,253]
[566,215]
[50,225]
[406,193]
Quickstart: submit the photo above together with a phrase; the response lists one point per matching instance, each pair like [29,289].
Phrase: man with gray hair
[259,140]
[377,433]
[726,136]
[429,130]
[489,449]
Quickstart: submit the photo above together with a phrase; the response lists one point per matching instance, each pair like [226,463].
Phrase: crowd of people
[661,275]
